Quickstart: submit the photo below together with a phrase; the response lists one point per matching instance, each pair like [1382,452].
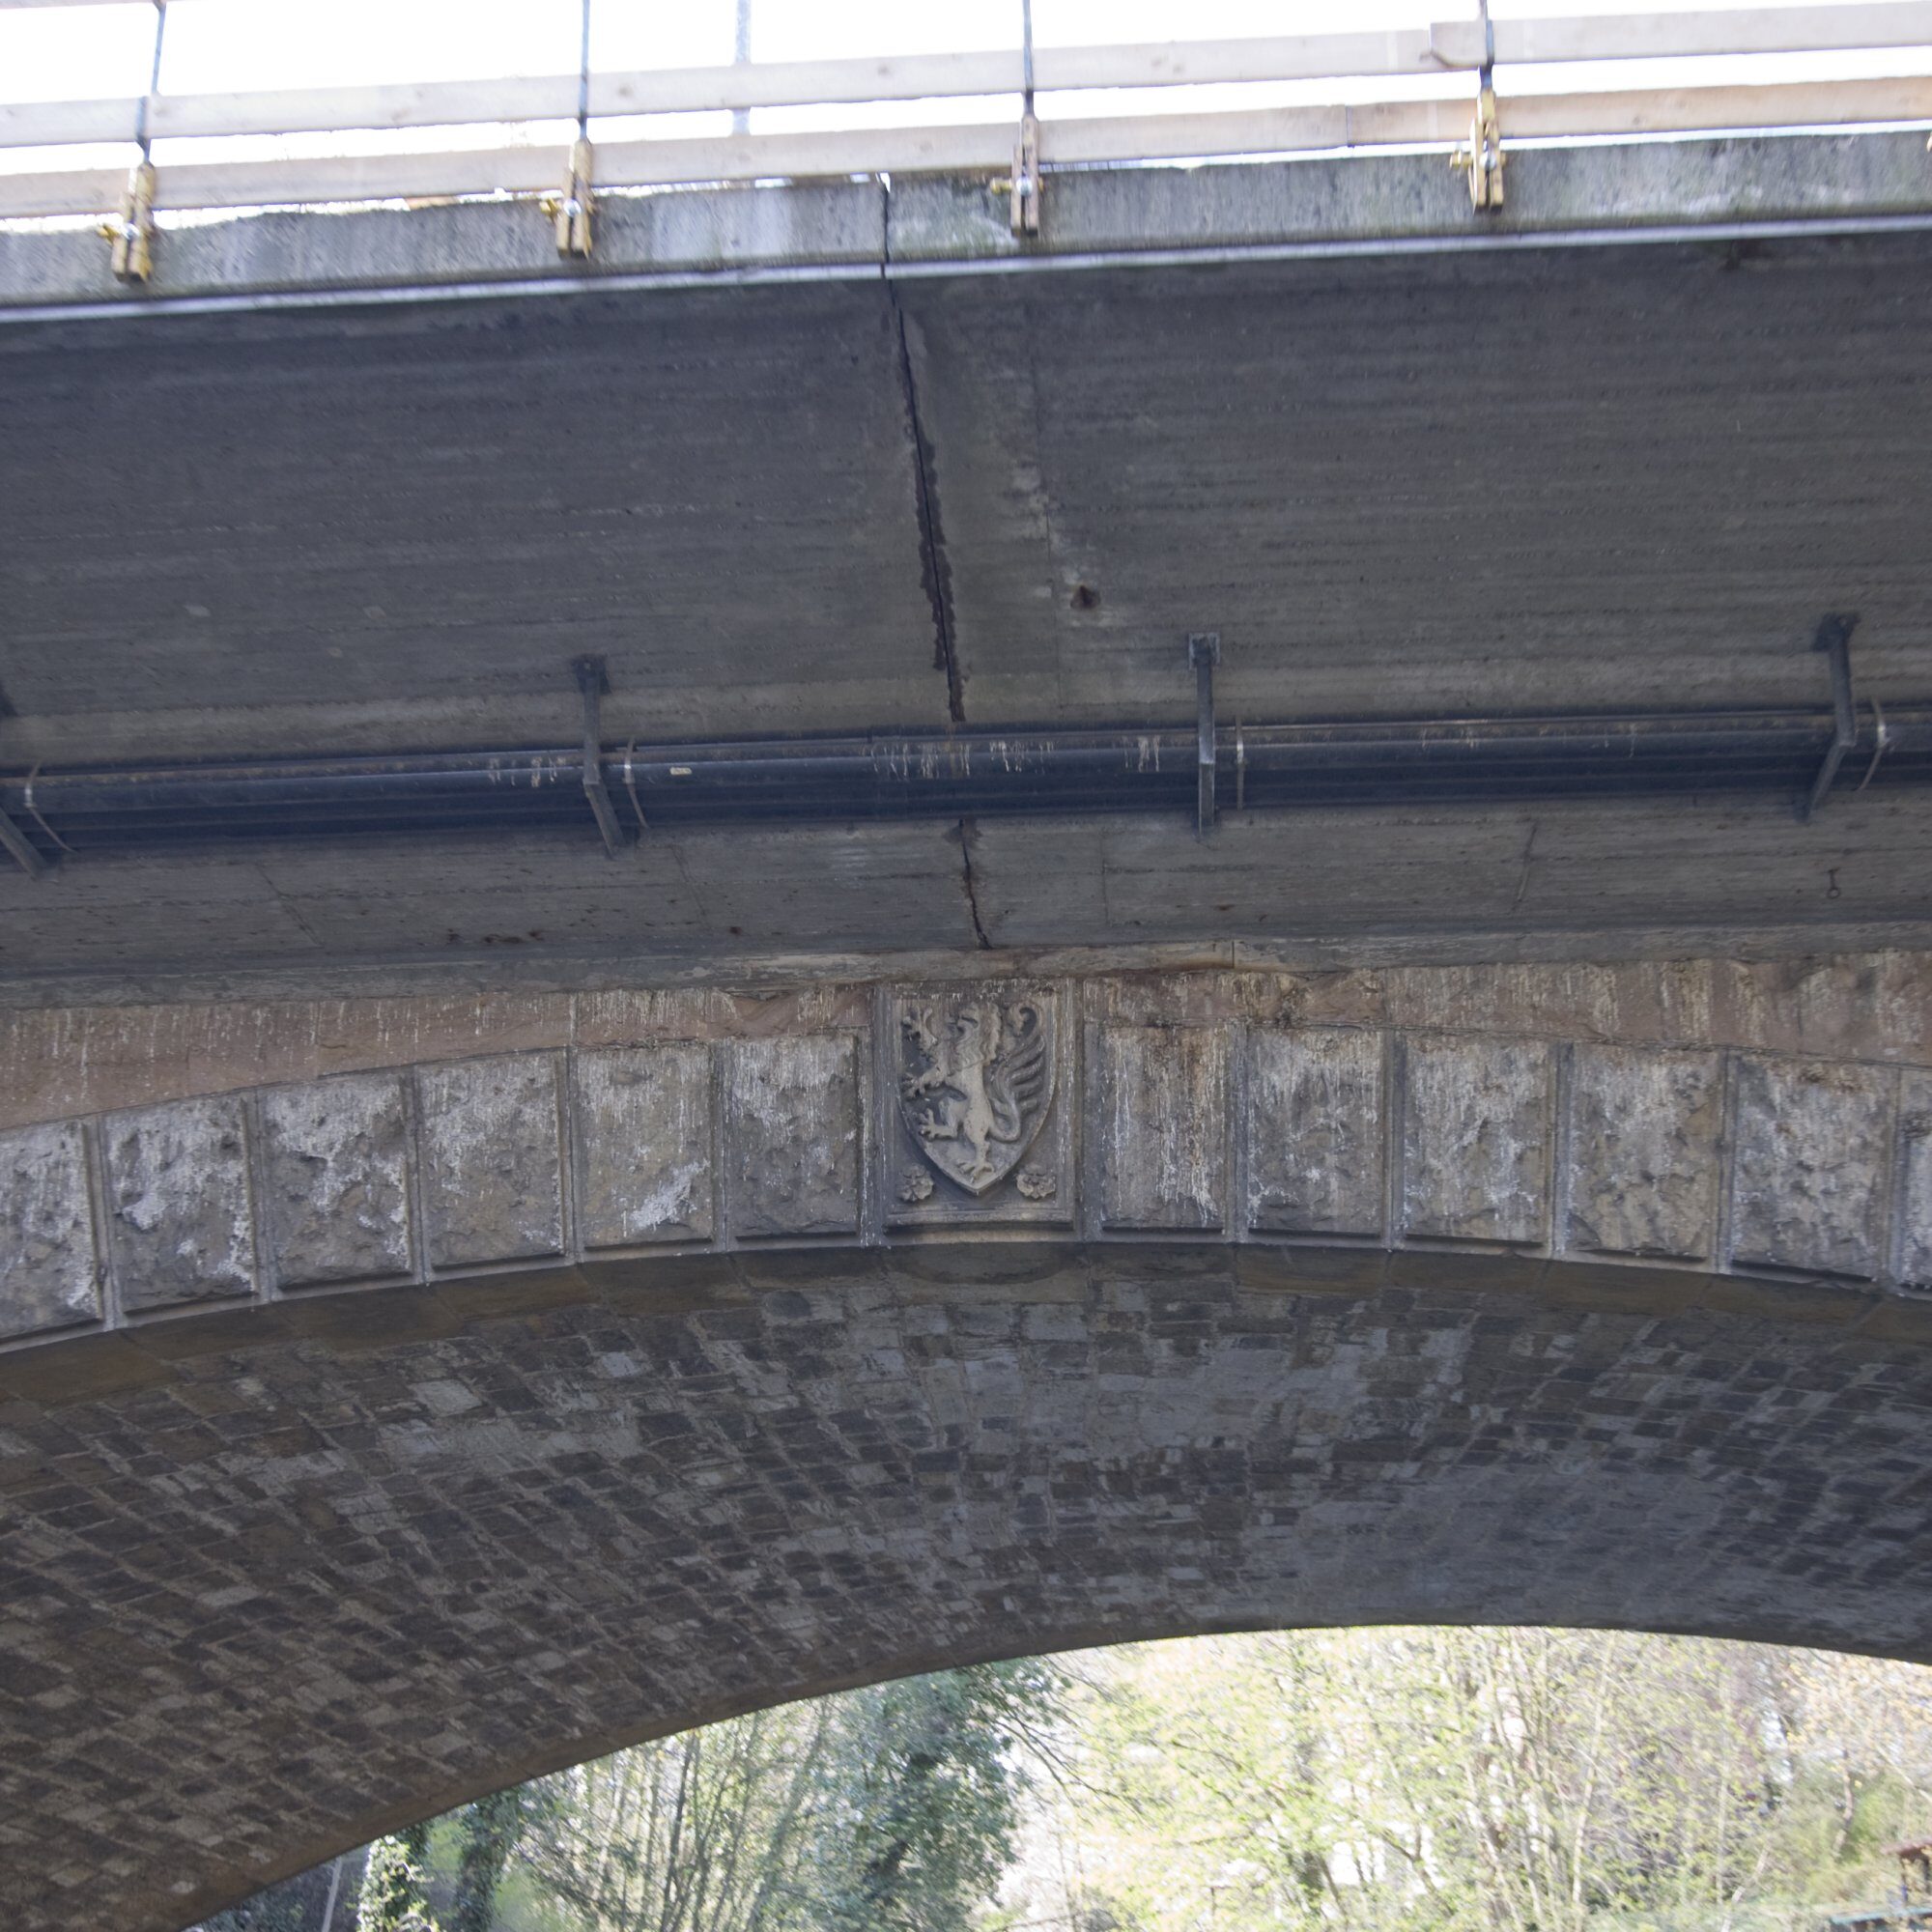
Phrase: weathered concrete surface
[280,1581]
[1006,496]
[59,1061]
[852,229]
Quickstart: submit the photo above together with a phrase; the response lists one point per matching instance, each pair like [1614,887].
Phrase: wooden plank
[705,89]
[1755,30]
[52,124]
[1277,57]
[1685,110]
[1448,46]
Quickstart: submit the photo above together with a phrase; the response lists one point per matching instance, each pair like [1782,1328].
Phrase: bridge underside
[279,1579]
[402,1394]
[1531,479]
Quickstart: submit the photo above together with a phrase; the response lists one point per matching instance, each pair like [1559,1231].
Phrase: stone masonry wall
[1664,1115]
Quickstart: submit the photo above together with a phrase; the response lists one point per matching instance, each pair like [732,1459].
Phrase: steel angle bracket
[1834,639]
[1203,653]
[20,848]
[593,681]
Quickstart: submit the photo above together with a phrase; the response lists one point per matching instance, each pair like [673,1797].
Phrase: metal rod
[153,80]
[740,54]
[584,76]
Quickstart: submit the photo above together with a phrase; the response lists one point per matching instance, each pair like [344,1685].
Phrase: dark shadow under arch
[281,1578]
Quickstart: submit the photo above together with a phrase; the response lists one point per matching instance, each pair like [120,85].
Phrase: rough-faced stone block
[643,1130]
[1475,1139]
[178,1210]
[48,1276]
[1915,1258]
[1644,1132]
[793,1125]
[1161,1118]
[1813,1147]
[336,1164]
[493,1177]
[1315,1132]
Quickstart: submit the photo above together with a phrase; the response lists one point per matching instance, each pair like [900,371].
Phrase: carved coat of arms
[976,1080]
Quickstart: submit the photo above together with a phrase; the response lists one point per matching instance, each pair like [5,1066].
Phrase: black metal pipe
[903,775]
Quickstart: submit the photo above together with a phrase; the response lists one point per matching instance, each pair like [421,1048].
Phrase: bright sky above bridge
[51,53]
[68,53]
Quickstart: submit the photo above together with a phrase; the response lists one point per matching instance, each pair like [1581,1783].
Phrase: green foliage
[1377,1781]
[926,1787]
[488,1832]
[1494,1780]
[393,1885]
[292,1906]
[894,1809]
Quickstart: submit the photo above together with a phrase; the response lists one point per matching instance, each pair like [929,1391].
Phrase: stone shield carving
[976,1080]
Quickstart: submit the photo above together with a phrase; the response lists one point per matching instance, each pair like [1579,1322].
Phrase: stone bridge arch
[475,1390]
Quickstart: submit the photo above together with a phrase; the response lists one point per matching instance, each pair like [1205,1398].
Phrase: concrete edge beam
[1369,202]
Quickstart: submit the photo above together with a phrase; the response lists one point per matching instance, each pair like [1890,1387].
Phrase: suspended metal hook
[570,212]
[1025,186]
[1482,161]
[132,230]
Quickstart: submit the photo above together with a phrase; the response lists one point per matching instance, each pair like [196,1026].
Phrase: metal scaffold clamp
[132,230]
[570,212]
[1482,161]
[1022,187]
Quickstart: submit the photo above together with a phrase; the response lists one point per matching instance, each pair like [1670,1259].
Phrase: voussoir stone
[50,1278]
[643,1126]
[1162,1122]
[1915,1261]
[179,1217]
[1645,1134]
[1476,1139]
[793,1127]
[1316,1131]
[336,1157]
[492,1170]
[1813,1155]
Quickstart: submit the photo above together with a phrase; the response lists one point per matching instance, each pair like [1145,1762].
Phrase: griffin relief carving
[976,1080]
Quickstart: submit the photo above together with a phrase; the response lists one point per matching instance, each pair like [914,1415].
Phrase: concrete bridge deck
[838,457]
[469,1301]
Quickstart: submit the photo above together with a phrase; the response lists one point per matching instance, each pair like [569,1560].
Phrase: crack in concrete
[968,832]
[935,573]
